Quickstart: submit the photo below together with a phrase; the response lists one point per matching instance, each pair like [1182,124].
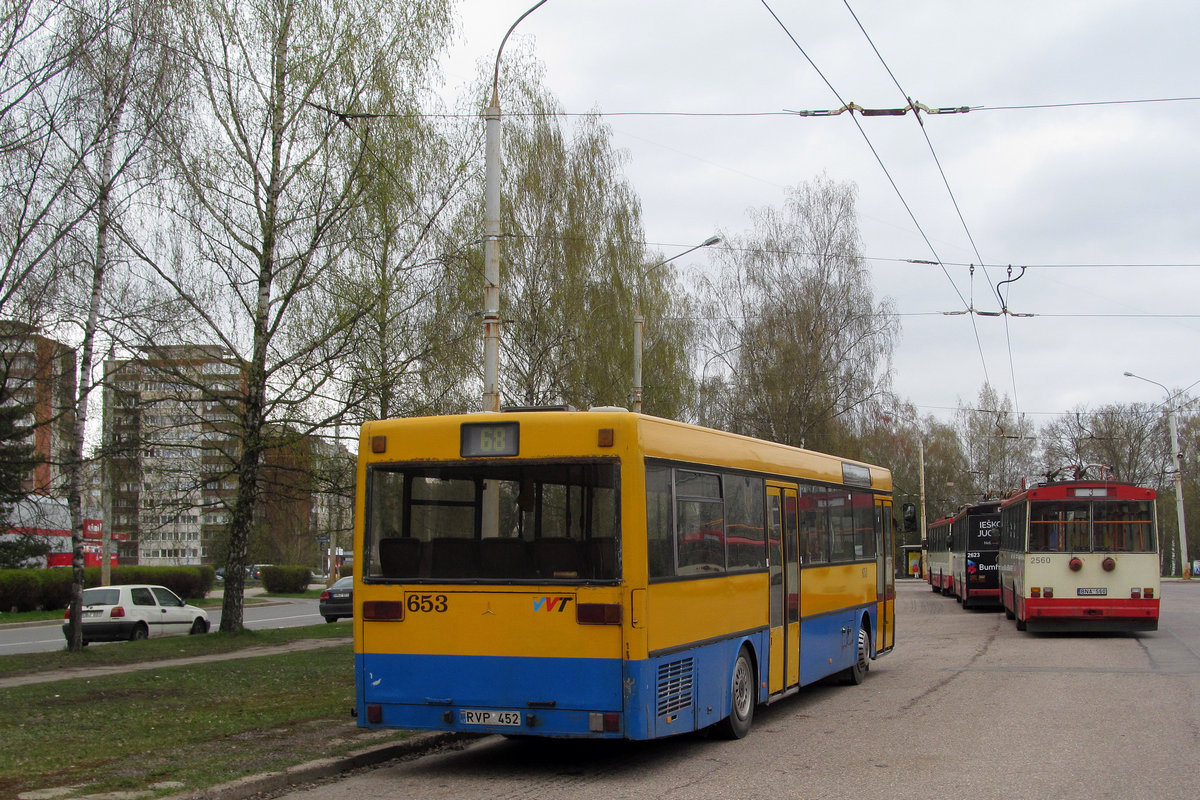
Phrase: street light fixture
[639,320]
[1177,456]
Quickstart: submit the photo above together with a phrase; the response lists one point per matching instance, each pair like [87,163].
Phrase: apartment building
[38,376]
[168,429]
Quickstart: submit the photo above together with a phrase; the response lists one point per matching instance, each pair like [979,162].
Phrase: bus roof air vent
[519,409]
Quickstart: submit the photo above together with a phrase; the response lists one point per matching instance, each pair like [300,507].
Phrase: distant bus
[1080,556]
[937,555]
[607,574]
[974,547]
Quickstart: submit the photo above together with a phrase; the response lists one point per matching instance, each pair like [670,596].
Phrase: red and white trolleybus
[1080,555]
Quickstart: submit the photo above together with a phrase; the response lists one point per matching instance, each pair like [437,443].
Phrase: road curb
[323,768]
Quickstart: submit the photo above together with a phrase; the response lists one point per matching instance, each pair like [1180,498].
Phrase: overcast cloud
[1045,188]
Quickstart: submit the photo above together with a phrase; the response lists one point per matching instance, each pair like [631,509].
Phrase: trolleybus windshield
[1075,526]
[495,521]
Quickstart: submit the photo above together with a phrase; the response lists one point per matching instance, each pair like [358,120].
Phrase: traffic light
[910,517]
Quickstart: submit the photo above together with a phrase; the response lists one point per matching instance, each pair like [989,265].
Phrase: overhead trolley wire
[891,180]
[949,191]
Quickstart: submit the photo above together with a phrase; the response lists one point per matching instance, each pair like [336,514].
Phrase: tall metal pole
[1177,457]
[491,235]
[639,320]
[491,255]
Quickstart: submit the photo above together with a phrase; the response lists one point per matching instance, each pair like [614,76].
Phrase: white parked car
[136,611]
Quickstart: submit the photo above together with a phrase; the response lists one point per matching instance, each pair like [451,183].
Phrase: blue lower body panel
[551,696]
[828,643]
[562,697]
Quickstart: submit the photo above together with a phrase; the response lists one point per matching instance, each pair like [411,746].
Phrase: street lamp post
[1177,457]
[491,235]
[639,320]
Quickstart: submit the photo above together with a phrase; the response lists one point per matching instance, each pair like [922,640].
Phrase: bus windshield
[1080,526]
[497,521]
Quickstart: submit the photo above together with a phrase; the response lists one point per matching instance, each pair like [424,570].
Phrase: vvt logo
[972,568]
[549,604]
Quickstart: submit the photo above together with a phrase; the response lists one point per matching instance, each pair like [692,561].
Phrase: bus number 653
[426,603]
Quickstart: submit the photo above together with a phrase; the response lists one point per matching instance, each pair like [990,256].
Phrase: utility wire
[879,160]
[1012,371]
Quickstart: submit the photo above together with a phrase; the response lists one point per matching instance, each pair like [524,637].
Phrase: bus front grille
[674,687]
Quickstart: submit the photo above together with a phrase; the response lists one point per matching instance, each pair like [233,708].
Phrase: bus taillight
[383,610]
[1148,593]
[1047,591]
[598,613]
[1035,591]
[604,723]
[1135,593]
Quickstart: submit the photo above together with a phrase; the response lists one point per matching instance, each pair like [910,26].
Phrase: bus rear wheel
[741,699]
[856,673]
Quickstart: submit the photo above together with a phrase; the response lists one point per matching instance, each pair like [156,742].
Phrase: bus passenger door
[784,550]
[885,571]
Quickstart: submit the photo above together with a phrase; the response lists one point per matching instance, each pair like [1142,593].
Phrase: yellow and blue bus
[607,574]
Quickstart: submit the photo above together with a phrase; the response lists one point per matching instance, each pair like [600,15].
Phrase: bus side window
[660,537]
[814,524]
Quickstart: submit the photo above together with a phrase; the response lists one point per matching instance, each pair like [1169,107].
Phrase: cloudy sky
[1079,160]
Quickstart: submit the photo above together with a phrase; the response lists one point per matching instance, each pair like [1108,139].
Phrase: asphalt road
[279,613]
[966,706]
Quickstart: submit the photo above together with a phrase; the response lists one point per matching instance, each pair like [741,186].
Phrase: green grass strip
[199,724]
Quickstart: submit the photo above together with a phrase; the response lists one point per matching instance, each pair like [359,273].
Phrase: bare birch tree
[799,339]
[267,194]
[122,87]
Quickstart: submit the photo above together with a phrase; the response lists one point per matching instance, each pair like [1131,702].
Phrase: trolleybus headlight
[1109,564]
[1075,564]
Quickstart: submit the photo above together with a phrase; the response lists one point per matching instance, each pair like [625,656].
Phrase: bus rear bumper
[1069,614]
[561,723]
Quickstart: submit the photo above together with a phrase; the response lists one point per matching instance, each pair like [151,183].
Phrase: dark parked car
[338,600]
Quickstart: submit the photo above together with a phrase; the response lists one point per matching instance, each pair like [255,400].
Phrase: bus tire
[856,673]
[741,698]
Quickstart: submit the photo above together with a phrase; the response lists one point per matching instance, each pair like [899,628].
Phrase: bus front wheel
[741,699]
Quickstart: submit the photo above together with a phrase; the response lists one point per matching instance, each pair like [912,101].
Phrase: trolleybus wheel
[856,673]
[741,699]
